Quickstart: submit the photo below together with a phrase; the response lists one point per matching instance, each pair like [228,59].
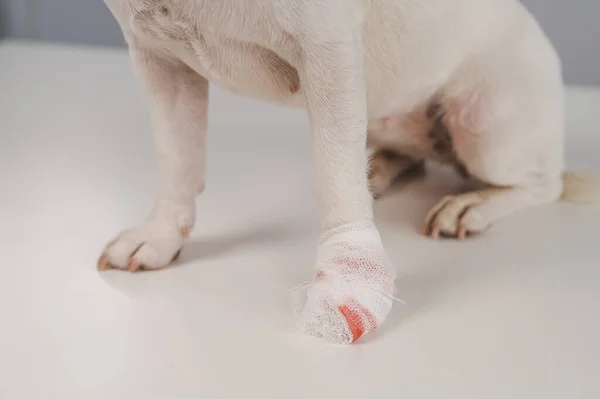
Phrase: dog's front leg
[178,102]
[352,291]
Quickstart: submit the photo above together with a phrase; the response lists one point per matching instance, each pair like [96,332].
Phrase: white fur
[352,64]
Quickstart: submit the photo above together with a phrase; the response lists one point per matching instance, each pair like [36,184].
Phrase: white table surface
[513,314]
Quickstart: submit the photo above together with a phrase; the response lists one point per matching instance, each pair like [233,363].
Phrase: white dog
[474,83]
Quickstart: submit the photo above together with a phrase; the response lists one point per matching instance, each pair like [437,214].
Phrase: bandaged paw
[352,292]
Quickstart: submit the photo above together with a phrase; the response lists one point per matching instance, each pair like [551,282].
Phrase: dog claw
[103,263]
[134,266]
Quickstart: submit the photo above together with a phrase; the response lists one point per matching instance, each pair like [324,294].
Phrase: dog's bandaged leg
[351,295]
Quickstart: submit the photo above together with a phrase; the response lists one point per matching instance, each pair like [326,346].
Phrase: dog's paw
[351,294]
[386,166]
[456,217]
[379,181]
[151,245]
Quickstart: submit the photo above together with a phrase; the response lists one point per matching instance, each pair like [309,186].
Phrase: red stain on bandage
[354,313]
[357,327]
[320,275]
[348,262]
[364,265]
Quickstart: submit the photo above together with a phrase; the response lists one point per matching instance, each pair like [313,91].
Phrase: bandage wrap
[352,292]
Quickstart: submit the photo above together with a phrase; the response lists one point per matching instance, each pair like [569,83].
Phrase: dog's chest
[221,55]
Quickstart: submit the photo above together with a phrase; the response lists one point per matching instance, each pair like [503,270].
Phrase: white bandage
[352,292]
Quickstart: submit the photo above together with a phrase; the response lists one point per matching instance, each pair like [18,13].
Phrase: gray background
[573,26]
